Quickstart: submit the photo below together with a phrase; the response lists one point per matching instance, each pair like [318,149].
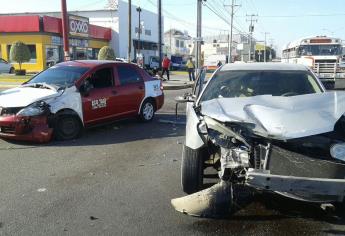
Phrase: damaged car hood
[24,96]
[281,117]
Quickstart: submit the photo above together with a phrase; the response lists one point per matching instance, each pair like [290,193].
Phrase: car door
[98,104]
[130,91]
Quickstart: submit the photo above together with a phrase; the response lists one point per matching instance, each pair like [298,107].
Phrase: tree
[20,53]
[106,53]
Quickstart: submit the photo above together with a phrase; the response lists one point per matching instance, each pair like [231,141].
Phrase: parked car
[269,126]
[70,96]
[6,67]
[176,62]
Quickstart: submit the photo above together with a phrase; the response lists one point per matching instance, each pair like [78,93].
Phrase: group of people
[190,67]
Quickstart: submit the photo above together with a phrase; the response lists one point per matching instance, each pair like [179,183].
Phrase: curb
[13,80]
[177,87]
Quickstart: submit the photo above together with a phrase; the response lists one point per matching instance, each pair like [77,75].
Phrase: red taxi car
[70,96]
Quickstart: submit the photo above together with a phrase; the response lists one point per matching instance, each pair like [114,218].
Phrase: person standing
[165,66]
[219,64]
[191,68]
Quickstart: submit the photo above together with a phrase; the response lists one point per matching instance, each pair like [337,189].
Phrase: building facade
[43,36]
[42,32]
[242,45]
[177,43]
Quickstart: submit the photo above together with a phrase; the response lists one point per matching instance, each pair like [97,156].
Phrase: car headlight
[338,151]
[35,109]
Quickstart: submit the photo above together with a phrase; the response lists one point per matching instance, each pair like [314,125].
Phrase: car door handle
[141,87]
[114,92]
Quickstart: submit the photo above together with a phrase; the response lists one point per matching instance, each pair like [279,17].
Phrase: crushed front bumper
[300,188]
[32,129]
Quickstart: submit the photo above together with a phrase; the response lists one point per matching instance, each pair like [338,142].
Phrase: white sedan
[6,67]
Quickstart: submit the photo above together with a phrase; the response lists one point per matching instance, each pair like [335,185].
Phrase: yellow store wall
[97,43]
[38,40]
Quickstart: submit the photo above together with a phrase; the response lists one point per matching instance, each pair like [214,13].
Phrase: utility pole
[65,30]
[129,30]
[160,31]
[139,29]
[198,34]
[271,47]
[251,30]
[266,33]
[231,27]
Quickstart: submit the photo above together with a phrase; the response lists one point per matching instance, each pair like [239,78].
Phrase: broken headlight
[35,109]
[338,151]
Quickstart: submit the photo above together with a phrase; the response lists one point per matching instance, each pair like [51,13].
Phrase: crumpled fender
[193,139]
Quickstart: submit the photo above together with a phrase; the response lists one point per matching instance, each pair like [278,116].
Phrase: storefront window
[96,52]
[81,53]
[32,49]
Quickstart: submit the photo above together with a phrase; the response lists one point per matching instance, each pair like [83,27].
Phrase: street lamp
[139,28]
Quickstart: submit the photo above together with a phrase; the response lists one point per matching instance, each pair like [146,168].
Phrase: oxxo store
[43,35]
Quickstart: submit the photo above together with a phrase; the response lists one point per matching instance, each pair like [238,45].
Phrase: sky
[283,20]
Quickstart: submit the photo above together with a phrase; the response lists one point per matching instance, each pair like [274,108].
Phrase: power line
[221,17]
[301,16]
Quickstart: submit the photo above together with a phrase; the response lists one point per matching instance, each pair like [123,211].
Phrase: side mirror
[185,98]
[85,88]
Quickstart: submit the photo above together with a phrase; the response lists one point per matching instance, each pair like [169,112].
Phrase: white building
[219,45]
[116,18]
[177,42]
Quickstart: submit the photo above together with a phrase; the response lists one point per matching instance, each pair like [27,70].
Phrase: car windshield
[61,76]
[320,50]
[231,84]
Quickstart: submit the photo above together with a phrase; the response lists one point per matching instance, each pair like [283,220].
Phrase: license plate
[326,76]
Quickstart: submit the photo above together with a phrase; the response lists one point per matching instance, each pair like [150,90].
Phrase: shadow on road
[258,213]
[128,131]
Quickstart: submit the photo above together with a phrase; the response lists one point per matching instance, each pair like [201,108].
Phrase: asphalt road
[119,179]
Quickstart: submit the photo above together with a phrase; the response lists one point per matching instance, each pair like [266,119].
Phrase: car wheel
[67,127]
[11,70]
[192,170]
[147,111]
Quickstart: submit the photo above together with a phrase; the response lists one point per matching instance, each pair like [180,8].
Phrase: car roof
[89,63]
[263,66]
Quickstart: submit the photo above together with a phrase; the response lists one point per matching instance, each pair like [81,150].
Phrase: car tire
[12,70]
[67,127]
[192,170]
[147,111]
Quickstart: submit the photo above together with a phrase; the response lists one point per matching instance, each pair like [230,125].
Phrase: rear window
[253,83]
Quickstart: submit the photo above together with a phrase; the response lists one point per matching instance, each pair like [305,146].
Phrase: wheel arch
[148,99]
[67,111]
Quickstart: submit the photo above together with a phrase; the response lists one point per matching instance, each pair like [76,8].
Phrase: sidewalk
[178,80]
[8,81]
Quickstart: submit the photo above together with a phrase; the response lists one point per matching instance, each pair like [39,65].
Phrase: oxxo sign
[78,26]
